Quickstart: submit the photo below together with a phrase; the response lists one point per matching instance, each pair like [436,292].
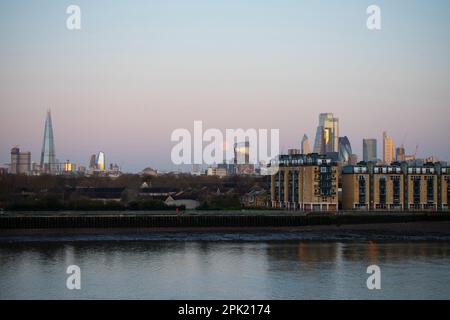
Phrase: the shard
[48,161]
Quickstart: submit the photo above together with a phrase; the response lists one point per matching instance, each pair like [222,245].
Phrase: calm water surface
[225,270]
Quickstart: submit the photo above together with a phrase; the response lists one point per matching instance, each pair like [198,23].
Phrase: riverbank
[407,231]
[216,220]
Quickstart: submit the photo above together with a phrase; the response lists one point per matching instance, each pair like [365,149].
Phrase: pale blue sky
[139,69]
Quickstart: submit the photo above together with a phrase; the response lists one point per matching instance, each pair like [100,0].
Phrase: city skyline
[137,72]
[49,163]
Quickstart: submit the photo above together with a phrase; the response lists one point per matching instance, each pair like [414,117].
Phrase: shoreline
[406,231]
[215,220]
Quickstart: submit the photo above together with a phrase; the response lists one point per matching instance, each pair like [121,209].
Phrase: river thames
[205,269]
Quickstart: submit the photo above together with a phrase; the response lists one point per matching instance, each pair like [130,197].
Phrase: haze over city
[139,70]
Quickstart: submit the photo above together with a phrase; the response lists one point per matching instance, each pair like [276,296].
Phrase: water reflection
[224,270]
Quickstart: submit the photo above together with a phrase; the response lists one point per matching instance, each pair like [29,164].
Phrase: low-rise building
[256,198]
[183,199]
[422,187]
[368,186]
[304,182]
[220,172]
[398,186]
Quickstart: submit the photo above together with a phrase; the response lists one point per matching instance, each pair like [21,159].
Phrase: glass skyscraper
[327,134]
[370,150]
[345,150]
[101,161]
[48,159]
[305,148]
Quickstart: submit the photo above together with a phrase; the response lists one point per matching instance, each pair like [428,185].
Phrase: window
[416,189]
[396,189]
[382,190]
[362,190]
[448,190]
[430,190]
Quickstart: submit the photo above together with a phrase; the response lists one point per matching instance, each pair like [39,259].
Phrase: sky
[138,70]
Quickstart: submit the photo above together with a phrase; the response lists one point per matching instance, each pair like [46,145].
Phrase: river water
[286,269]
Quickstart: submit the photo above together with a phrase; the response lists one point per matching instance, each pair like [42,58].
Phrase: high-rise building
[400,154]
[370,150]
[242,153]
[101,161]
[48,159]
[20,162]
[345,150]
[306,149]
[69,166]
[294,151]
[388,149]
[327,135]
[93,162]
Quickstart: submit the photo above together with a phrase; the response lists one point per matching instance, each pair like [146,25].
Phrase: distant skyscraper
[388,149]
[48,160]
[306,149]
[319,142]
[20,162]
[242,153]
[345,150]
[370,150]
[327,135]
[101,161]
[93,162]
[400,154]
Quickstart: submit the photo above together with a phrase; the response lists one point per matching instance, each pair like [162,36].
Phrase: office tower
[13,169]
[370,150]
[48,162]
[306,149]
[69,166]
[319,142]
[24,163]
[400,154]
[20,162]
[388,149]
[242,165]
[242,153]
[93,162]
[294,151]
[327,135]
[101,161]
[345,150]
